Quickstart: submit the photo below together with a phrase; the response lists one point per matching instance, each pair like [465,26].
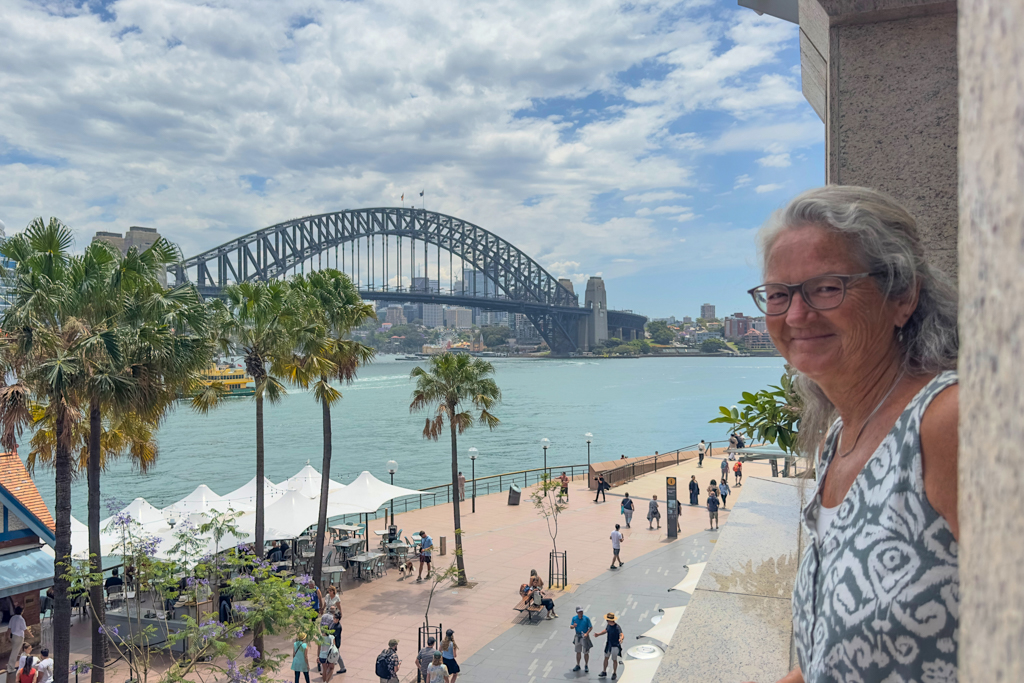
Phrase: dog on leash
[405,570]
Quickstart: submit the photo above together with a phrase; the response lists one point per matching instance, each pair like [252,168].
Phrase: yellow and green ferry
[235,380]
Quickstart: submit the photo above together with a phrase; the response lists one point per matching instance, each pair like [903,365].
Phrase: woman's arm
[939,455]
[794,676]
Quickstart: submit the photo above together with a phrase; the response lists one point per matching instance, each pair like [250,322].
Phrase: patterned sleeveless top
[877,598]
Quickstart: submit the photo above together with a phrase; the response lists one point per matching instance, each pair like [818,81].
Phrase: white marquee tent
[308,482]
[245,495]
[369,493]
[202,499]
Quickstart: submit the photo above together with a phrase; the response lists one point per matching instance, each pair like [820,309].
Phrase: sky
[641,141]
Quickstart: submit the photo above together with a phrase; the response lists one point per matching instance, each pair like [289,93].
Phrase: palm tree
[324,354]
[41,361]
[253,318]
[448,383]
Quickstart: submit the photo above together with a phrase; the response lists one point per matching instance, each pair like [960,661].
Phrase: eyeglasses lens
[821,293]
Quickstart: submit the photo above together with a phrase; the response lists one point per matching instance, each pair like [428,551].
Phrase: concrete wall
[882,74]
[991,35]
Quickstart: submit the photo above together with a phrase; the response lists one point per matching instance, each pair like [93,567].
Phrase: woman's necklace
[872,415]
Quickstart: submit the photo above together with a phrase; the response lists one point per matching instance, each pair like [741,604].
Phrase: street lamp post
[473,454]
[545,443]
[590,437]
[392,468]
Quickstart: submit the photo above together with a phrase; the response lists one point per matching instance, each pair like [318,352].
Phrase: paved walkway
[502,543]
[543,649]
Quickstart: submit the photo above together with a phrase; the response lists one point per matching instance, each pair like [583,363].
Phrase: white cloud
[655,197]
[662,210]
[770,187]
[742,181]
[563,266]
[775,161]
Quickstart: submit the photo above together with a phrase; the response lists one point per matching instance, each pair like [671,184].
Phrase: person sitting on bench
[534,591]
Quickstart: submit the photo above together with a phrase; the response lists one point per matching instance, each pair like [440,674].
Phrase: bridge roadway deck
[502,544]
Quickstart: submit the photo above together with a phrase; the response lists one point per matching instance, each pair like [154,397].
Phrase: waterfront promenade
[502,543]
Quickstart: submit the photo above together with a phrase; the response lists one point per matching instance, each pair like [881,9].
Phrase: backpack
[382,669]
[333,655]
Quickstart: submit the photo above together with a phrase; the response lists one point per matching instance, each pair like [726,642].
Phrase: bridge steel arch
[524,286]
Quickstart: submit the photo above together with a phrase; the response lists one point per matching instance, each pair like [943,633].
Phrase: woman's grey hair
[883,236]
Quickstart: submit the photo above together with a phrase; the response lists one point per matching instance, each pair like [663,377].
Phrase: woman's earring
[899,336]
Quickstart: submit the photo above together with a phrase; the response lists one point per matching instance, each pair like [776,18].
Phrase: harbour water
[632,407]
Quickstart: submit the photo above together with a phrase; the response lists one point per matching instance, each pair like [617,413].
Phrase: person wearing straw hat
[612,647]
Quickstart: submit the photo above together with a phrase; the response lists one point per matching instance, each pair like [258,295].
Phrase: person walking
[737,471]
[300,657]
[713,511]
[581,638]
[617,539]
[653,513]
[17,630]
[436,671]
[602,486]
[462,488]
[564,486]
[725,469]
[694,490]
[388,663]
[426,656]
[328,656]
[725,491]
[628,509]
[28,673]
[612,646]
[449,651]
[713,489]
[701,448]
[335,632]
[426,543]
[45,667]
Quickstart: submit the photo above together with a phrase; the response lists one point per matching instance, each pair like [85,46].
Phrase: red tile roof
[15,479]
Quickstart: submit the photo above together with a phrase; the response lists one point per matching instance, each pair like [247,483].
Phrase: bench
[526,605]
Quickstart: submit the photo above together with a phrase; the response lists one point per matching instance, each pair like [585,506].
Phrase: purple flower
[251,652]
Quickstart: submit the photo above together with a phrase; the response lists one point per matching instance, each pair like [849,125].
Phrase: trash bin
[513,494]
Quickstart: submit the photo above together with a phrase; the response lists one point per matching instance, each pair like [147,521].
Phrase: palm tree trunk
[257,632]
[321,521]
[62,554]
[455,503]
[99,641]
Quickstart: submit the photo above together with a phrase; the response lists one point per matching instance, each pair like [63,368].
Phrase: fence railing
[442,493]
[636,468]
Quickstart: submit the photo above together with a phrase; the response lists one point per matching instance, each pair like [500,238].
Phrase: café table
[362,559]
[393,549]
[345,546]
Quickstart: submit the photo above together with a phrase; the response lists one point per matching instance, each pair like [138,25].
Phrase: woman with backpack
[627,509]
[329,656]
[28,673]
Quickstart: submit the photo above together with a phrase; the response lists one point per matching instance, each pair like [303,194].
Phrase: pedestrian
[740,443]
[437,672]
[700,453]
[737,471]
[653,513]
[733,444]
[426,543]
[388,663]
[581,638]
[27,673]
[449,651]
[26,650]
[17,630]
[713,511]
[713,489]
[602,486]
[426,656]
[628,509]
[462,487]
[612,646]
[300,657]
[725,490]
[45,667]
[617,539]
[335,632]
[328,655]
[725,469]
[694,490]
[564,482]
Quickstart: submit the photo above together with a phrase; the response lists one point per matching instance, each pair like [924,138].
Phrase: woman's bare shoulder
[939,454]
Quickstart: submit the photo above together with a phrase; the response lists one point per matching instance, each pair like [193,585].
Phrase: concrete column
[991,35]
[882,75]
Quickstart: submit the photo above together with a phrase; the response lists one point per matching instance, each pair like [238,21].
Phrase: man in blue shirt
[581,640]
[426,543]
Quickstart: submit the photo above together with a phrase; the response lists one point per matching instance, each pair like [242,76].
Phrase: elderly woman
[871,327]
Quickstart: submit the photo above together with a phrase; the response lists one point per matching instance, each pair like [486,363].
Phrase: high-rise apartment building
[421,284]
[707,311]
[759,324]
[735,326]
[458,317]
[142,238]
[433,315]
[395,315]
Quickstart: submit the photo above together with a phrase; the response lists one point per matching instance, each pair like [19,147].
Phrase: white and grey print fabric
[877,598]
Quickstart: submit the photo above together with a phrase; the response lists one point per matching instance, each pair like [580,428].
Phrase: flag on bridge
[421,193]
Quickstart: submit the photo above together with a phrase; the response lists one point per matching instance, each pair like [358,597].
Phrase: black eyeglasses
[822,293]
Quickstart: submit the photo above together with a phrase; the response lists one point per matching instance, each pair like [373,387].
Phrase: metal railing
[632,470]
[442,493]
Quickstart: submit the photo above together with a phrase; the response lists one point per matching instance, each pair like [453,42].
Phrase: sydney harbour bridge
[418,256]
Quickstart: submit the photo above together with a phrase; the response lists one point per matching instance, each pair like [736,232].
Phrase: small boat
[415,358]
